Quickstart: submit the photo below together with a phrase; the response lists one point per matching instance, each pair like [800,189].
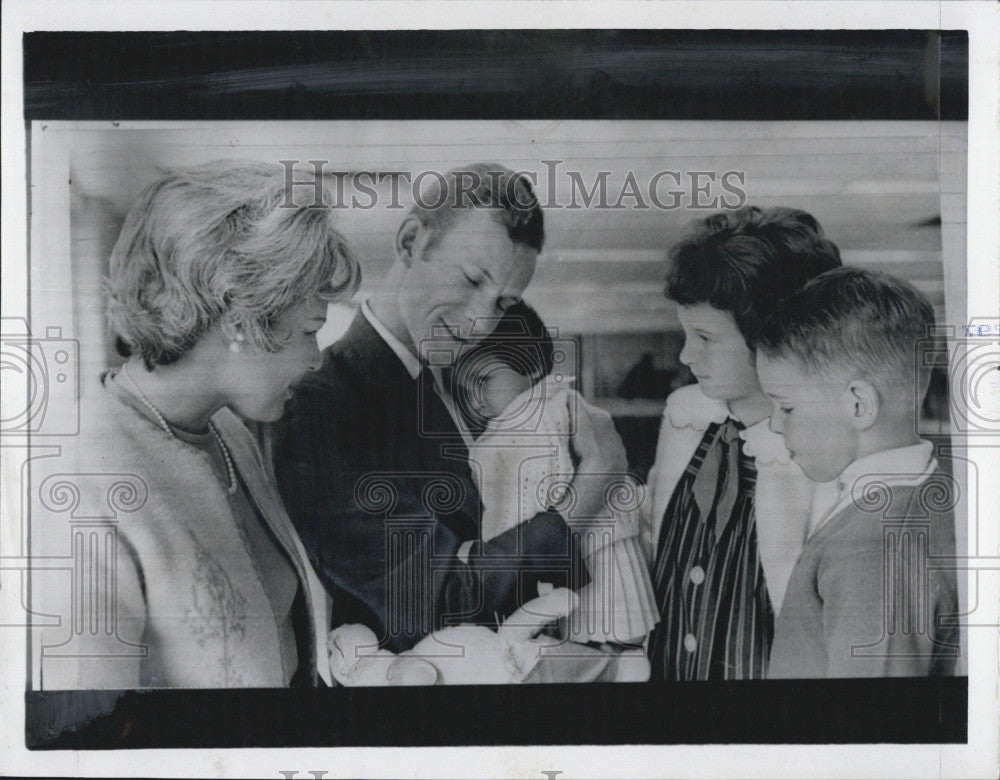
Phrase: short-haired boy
[726,509]
[872,594]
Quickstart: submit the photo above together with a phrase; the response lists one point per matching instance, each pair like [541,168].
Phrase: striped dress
[717,622]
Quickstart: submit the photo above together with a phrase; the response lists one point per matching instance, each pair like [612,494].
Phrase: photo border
[502,762]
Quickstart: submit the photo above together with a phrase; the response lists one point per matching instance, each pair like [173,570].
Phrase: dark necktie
[445,450]
[717,482]
[435,420]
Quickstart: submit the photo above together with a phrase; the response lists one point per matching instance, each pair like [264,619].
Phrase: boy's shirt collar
[909,465]
[901,464]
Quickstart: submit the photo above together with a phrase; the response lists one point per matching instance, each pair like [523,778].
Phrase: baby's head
[839,363]
[505,364]
[727,275]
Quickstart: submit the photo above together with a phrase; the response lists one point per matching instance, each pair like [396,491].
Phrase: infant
[516,385]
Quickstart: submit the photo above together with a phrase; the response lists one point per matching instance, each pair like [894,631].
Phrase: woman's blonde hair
[220,242]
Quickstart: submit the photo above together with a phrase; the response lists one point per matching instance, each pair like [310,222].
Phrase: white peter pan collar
[689,407]
[910,465]
[764,445]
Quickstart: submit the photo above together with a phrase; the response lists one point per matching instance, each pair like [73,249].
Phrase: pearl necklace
[162,421]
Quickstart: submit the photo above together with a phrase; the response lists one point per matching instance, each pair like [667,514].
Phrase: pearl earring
[236,345]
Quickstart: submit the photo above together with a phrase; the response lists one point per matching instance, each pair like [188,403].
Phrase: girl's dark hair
[747,261]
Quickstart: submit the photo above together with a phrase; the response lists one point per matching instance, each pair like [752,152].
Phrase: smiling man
[726,508]
[373,463]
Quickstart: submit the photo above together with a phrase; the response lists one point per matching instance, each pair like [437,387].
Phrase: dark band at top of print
[498,74]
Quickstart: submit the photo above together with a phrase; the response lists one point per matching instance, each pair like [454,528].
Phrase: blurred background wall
[616,194]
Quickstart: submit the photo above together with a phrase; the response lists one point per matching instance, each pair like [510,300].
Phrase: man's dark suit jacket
[383,508]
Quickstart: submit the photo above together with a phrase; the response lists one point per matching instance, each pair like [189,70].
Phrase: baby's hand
[596,441]
[602,459]
[355,657]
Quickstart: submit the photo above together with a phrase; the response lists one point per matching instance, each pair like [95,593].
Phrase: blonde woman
[217,288]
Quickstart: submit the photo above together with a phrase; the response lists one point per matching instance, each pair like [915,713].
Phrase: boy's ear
[923,384]
[406,238]
[864,403]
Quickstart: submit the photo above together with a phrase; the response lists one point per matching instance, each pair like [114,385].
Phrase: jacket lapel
[264,496]
[364,352]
